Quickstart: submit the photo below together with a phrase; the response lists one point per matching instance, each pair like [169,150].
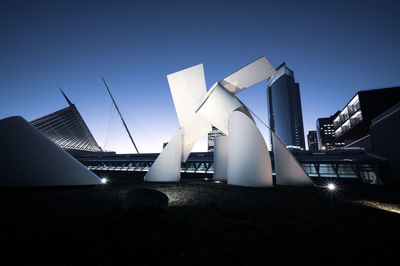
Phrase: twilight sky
[335,48]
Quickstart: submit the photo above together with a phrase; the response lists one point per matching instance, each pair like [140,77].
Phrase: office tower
[285,115]
[312,140]
[326,134]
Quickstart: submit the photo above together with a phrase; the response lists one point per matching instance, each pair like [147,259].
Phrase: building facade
[312,140]
[67,129]
[371,121]
[284,104]
[215,132]
[326,134]
[354,121]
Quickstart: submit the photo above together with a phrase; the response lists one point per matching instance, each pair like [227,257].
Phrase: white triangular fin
[287,168]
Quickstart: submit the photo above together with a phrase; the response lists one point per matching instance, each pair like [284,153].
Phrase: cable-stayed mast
[65,96]
[120,115]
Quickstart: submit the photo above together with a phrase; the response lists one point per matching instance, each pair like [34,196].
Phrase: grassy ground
[206,224]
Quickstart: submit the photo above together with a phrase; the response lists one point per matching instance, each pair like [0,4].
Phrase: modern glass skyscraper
[285,115]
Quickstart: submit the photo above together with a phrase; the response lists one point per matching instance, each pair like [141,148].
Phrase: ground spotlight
[331,186]
[104,180]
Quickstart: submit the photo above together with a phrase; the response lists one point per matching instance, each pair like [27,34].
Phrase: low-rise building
[354,121]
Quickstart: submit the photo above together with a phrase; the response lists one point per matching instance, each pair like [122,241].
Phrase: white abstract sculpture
[287,169]
[242,156]
[197,110]
[30,159]
[249,163]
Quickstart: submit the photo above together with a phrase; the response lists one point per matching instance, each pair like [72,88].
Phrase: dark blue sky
[334,47]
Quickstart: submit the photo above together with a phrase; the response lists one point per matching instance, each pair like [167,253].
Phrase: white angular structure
[30,159]
[248,75]
[221,158]
[242,157]
[188,88]
[198,110]
[287,169]
[167,166]
[249,163]
[217,106]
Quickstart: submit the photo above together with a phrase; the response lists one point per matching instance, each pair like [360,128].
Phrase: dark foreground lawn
[206,224]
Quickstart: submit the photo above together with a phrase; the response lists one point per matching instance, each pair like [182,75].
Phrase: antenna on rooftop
[120,115]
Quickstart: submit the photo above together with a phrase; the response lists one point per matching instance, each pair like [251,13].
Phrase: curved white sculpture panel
[220,158]
[249,163]
[217,106]
[167,166]
[29,158]
[288,170]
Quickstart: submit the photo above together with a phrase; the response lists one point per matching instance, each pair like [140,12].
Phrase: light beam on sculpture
[245,161]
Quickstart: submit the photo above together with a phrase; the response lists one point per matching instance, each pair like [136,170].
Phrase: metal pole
[120,115]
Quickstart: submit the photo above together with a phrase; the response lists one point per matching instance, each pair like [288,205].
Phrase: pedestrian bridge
[355,165]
